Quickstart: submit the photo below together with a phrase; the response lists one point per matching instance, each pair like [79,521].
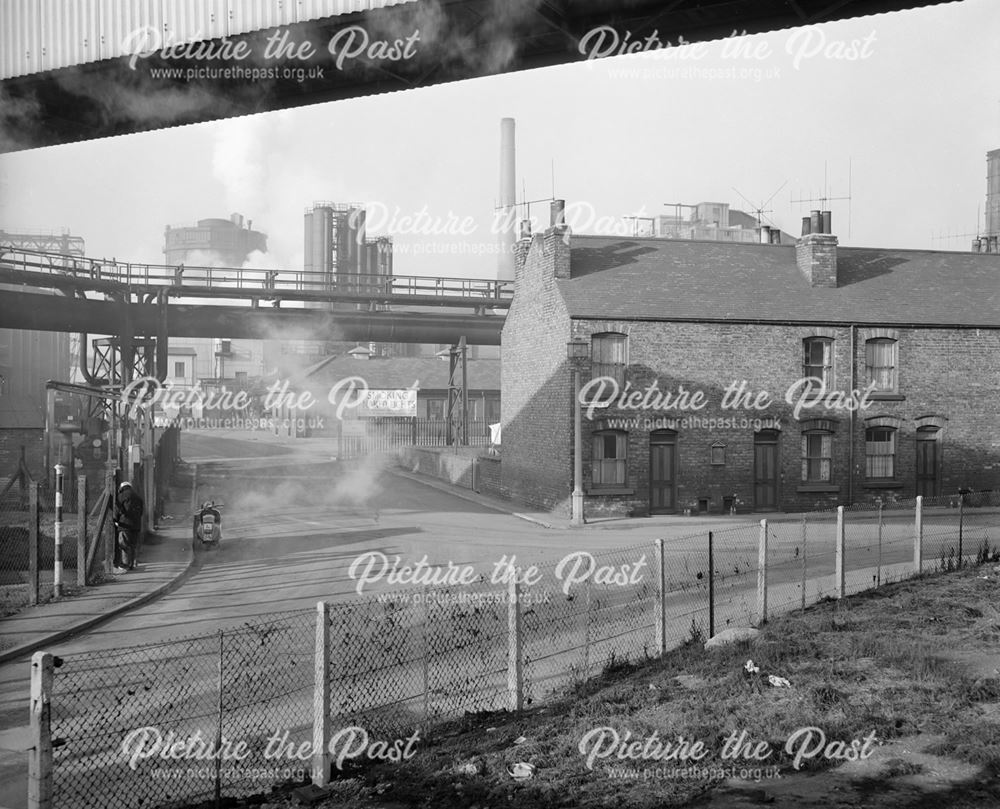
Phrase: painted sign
[388,403]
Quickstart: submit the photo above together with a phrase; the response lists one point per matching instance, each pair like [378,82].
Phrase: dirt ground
[903,683]
[916,664]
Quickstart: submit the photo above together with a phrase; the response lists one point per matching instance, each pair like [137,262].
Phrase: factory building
[693,355]
[213,243]
[214,362]
[28,359]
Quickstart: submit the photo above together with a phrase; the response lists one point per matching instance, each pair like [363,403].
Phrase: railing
[386,434]
[103,274]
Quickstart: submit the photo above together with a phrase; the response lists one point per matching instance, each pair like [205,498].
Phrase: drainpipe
[851,417]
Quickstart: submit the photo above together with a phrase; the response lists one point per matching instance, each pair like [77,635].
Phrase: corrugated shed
[40,35]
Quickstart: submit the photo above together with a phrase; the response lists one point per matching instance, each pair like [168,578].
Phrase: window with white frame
[880,361]
[880,453]
[608,459]
[817,456]
[818,360]
[608,356]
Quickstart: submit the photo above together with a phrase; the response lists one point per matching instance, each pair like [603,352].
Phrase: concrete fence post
[762,574]
[40,754]
[805,580]
[661,599]
[840,575]
[918,537]
[81,531]
[711,585]
[321,698]
[961,522]
[34,518]
[515,656]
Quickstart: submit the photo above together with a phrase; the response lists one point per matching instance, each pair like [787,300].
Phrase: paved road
[294,520]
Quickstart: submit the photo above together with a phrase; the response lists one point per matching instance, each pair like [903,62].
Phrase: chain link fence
[139,726]
[404,660]
[18,495]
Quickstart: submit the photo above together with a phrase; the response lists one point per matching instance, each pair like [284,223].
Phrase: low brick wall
[488,476]
[455,467]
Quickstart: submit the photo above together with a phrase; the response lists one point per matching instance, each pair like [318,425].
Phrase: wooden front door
[765,471]
[928,461]
[662,472]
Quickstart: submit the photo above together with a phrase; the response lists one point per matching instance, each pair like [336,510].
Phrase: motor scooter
[208,526]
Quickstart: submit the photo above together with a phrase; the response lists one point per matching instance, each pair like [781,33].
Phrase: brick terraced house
[703,349]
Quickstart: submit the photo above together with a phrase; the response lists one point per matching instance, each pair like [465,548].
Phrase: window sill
[887,397]
[603,490]
[818,487]
[883,484]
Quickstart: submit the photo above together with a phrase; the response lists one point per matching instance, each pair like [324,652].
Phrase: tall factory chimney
[993,192]
[506,235]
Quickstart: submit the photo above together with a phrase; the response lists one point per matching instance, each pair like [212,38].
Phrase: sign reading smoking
[388,403]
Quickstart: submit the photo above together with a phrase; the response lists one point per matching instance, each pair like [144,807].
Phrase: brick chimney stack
[816,252]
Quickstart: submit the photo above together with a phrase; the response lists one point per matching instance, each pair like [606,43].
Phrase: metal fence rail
[109,274]
[408,660]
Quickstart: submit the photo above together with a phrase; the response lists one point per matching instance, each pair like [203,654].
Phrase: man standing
[128,522]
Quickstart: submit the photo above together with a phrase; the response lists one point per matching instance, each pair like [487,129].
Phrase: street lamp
[578,351]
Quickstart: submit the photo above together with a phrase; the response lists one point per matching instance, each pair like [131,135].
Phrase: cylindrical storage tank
[816,221]
[557,212]
[827,222]
[806,226]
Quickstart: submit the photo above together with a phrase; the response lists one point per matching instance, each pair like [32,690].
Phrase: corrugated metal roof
[677,279]
[40,35]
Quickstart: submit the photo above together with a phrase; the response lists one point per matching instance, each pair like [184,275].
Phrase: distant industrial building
[213,243]
[337,251]
[716,222]
[28,359]
[214,361]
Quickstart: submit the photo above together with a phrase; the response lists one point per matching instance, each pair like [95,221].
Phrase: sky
[757,122]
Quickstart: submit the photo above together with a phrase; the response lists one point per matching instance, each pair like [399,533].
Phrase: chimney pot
[765,234]
[557,212]
[806,226]
[815,222]
[827,222]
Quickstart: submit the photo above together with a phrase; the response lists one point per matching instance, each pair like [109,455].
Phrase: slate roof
[397,373]
[637,278]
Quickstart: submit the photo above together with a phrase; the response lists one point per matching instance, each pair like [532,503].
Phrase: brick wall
[537,399]
[458,468]
[488,477]
[942,381]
